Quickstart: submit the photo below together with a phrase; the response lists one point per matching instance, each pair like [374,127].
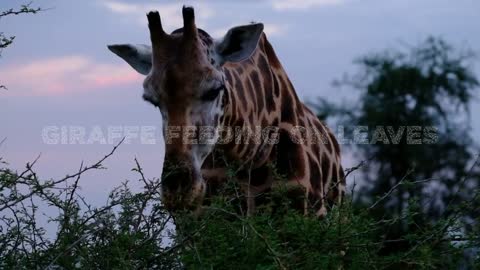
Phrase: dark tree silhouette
[424,94]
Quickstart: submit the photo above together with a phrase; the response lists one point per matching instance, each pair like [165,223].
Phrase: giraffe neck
[259,94]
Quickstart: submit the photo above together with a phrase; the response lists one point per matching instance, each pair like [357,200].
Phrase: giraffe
[235,81]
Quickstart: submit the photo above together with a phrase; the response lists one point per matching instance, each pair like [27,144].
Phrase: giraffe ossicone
[233,82]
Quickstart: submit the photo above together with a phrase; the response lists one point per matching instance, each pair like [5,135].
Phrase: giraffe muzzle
[182,187]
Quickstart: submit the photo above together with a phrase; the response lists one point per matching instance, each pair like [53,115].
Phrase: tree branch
[24,9]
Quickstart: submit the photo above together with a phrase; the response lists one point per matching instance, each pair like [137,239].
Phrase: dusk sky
[59,72]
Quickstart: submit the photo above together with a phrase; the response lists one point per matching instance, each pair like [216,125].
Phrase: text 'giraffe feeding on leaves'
[207,88]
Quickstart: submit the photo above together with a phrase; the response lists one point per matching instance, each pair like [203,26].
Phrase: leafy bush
[133,231]
[278,237]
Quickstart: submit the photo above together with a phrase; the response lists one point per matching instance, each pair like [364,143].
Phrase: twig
[39,188]
[348,171]
[151,189]
[270,249]
[462,182]
[72,245]
[24,9]
[391,190]
[4,139]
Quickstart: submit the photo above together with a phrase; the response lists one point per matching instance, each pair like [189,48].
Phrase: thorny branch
[24,9]
[6,41]
[19,232]
[271,250]
[401,182]
[148,218]
[38,186]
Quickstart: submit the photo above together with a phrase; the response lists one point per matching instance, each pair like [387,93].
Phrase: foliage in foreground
[133,231]
[279,237]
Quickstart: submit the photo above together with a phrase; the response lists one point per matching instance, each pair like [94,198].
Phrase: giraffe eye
[212,94]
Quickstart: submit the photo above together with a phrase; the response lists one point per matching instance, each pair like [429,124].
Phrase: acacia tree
[428,88]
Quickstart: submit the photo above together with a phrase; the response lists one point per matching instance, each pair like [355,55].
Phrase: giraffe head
[185,80]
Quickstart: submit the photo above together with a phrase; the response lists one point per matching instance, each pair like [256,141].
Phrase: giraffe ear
[137,56]
[239,43]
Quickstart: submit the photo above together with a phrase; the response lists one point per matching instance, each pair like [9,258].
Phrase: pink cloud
[64,75]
